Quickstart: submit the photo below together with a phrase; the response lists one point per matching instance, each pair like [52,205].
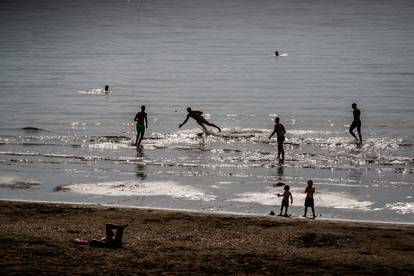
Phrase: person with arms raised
[196,115]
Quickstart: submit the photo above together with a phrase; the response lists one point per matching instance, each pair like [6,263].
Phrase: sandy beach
[37,238]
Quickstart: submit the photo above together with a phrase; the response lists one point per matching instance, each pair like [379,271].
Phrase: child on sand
[310,190]
[285,201]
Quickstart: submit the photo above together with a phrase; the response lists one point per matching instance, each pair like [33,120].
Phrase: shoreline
[92,205]
[38,238]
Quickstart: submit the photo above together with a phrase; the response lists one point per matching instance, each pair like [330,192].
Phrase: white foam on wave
[401,207]
[98,91]
[182,136]
[341,200]
[110,145]
[236,130]
[308,131]
[17,153]
[137,188]
[7,180]
[17,182]
[195,136]
[262,198]
[227,182]
[337,200]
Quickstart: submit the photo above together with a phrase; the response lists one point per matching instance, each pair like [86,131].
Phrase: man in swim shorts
[140,118]
[196,115]
[356,123]
[280,134]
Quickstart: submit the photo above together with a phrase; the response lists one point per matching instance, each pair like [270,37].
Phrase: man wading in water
[140,118]
[280,134]
[356,123]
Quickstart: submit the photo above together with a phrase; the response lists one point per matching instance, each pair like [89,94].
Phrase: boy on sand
[285,201]
[140,118]
[196,115]
[280,134]
[310,190]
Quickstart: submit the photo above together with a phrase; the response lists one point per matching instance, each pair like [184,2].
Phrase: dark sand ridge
[37,238]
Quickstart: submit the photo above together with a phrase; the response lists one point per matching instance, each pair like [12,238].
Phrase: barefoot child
[285,201]
[310,190]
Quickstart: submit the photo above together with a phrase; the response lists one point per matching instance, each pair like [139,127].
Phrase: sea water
[62,138]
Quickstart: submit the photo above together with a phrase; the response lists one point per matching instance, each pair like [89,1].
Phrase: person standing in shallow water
[140,118]
[196,115]
[280,134]
[285,201]
[310,190]
[356,123]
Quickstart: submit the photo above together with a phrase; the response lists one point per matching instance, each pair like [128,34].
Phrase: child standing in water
[310,190]
[285,201]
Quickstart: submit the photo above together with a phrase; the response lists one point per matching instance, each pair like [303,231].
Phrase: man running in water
[196,115]
[140,118]
[356,123]
[280,134]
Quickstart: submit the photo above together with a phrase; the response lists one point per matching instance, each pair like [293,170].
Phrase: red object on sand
[81,242]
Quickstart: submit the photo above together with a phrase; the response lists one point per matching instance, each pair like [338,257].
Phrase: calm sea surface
[217,57]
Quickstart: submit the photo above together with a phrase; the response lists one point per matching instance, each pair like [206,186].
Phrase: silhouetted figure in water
[277,53]
[280,134]
[285,201]
[196,115]
[140,118]
[356,123]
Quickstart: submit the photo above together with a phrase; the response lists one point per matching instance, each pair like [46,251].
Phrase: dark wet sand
[37,238]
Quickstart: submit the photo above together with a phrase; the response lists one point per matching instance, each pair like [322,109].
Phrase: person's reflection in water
[140,165]
[279,179]
[280,171]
